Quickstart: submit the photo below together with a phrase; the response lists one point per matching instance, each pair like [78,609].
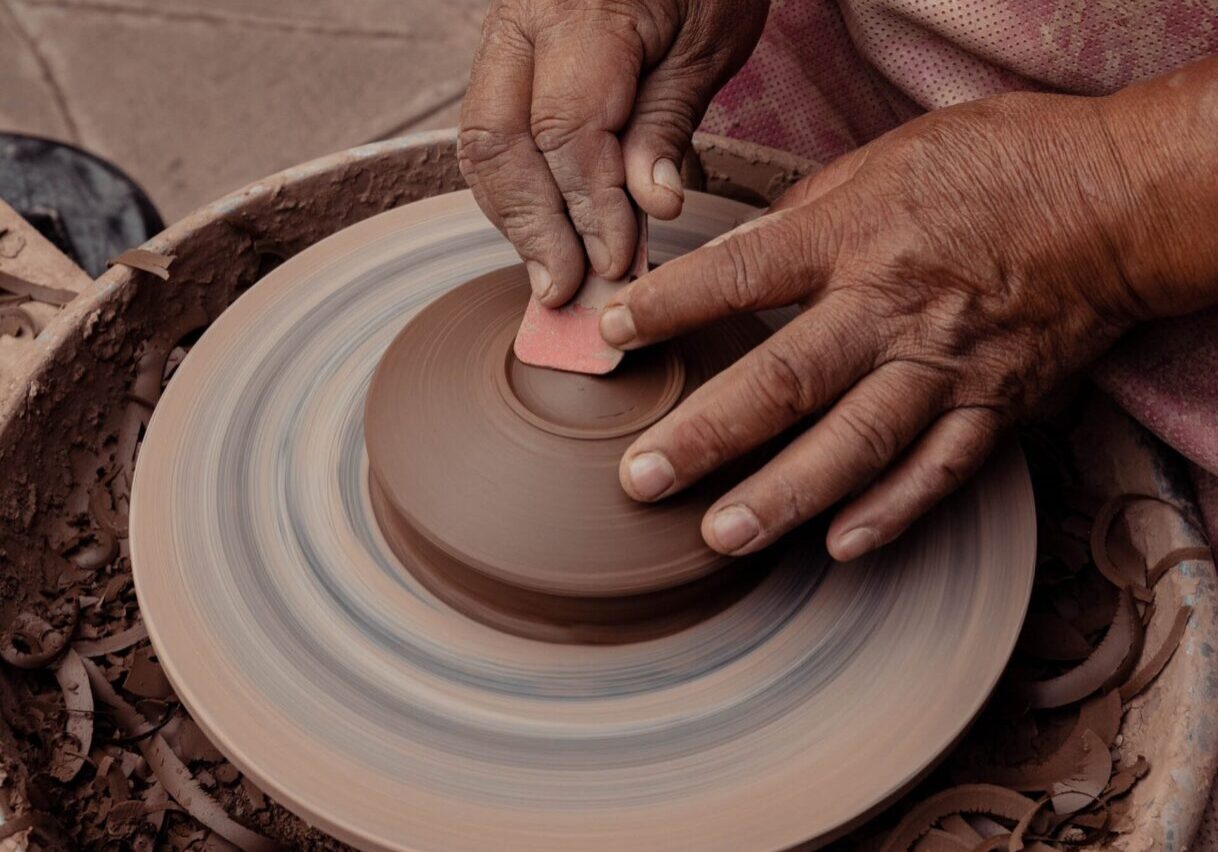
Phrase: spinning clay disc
[502,478]
[324,659]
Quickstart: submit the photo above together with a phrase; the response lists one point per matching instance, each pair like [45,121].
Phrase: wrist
[1161,218]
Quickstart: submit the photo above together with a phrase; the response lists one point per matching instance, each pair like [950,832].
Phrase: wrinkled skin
[950,275]
[573,102]
[949,278]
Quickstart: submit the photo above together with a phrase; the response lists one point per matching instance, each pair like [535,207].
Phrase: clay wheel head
[502,479]
[326,666]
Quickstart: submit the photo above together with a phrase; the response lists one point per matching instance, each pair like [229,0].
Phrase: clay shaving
[16,322]
[112,644]
[1116,654]
[965,799]
[37,292]
[1084,788]
[78,699]
[1103,526]
[173,774]
[1176,557]
[1158,661]
[1101,715]
[107,517]
[144,260]
[959,826]
[1075,764]
[32,642]
[1015,842]
[98,553]
[1122,782]
[938,840]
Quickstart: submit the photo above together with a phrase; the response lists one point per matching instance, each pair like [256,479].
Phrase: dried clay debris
[97,752]
[1046,768]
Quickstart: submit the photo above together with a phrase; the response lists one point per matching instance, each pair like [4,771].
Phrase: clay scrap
[1087,627]
[86,779]
[33,290]
[154,263]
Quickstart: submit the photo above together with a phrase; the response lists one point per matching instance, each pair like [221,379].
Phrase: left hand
[951,274]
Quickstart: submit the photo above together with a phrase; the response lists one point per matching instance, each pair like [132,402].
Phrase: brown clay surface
[505,475]
[495,482]
[360,699]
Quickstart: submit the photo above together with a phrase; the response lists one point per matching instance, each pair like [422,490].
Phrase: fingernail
[598,253]
[617,325]
[650,475]
[665,173]
[734,527]
[539,279]
[856,543]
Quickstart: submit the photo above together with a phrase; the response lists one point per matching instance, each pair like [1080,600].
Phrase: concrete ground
[194,98]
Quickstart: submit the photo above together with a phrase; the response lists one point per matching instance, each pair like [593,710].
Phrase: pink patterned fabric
[830,75]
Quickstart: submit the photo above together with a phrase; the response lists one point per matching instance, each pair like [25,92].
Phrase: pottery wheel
[497,482]
[348,672]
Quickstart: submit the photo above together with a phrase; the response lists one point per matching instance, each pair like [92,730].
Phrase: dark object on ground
[87,207]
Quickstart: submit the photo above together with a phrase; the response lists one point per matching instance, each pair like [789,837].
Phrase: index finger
[769,262]
[500,161]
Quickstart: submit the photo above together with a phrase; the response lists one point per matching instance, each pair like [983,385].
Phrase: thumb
[670,104]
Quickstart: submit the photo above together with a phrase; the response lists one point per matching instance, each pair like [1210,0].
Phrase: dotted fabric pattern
[829,75]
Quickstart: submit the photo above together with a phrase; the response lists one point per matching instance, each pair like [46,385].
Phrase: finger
[510,178]
[858,438]
[800,369]
[584,85]
[674,97]
[768,262]
[945,458]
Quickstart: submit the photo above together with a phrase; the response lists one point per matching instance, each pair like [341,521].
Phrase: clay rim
[461,506]
[670,391]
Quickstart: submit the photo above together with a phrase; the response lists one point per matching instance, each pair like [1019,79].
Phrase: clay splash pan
[334,674]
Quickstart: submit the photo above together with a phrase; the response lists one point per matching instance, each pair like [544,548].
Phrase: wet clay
[497,482]
[301,638]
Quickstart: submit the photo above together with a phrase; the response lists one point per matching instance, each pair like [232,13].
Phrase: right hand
[573,102]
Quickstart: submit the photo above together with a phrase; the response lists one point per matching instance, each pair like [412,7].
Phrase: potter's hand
[950,274]
[572,102]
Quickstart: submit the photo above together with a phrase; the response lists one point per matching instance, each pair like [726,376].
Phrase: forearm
[1164,223]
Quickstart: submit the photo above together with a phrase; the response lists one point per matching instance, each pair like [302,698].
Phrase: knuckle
[870,432]
[670,112]
[481,146]
[552,130]
[975,430]
[506,26]
[707,442]
[947,474]
[782,384]
[535,233]
[737,285]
